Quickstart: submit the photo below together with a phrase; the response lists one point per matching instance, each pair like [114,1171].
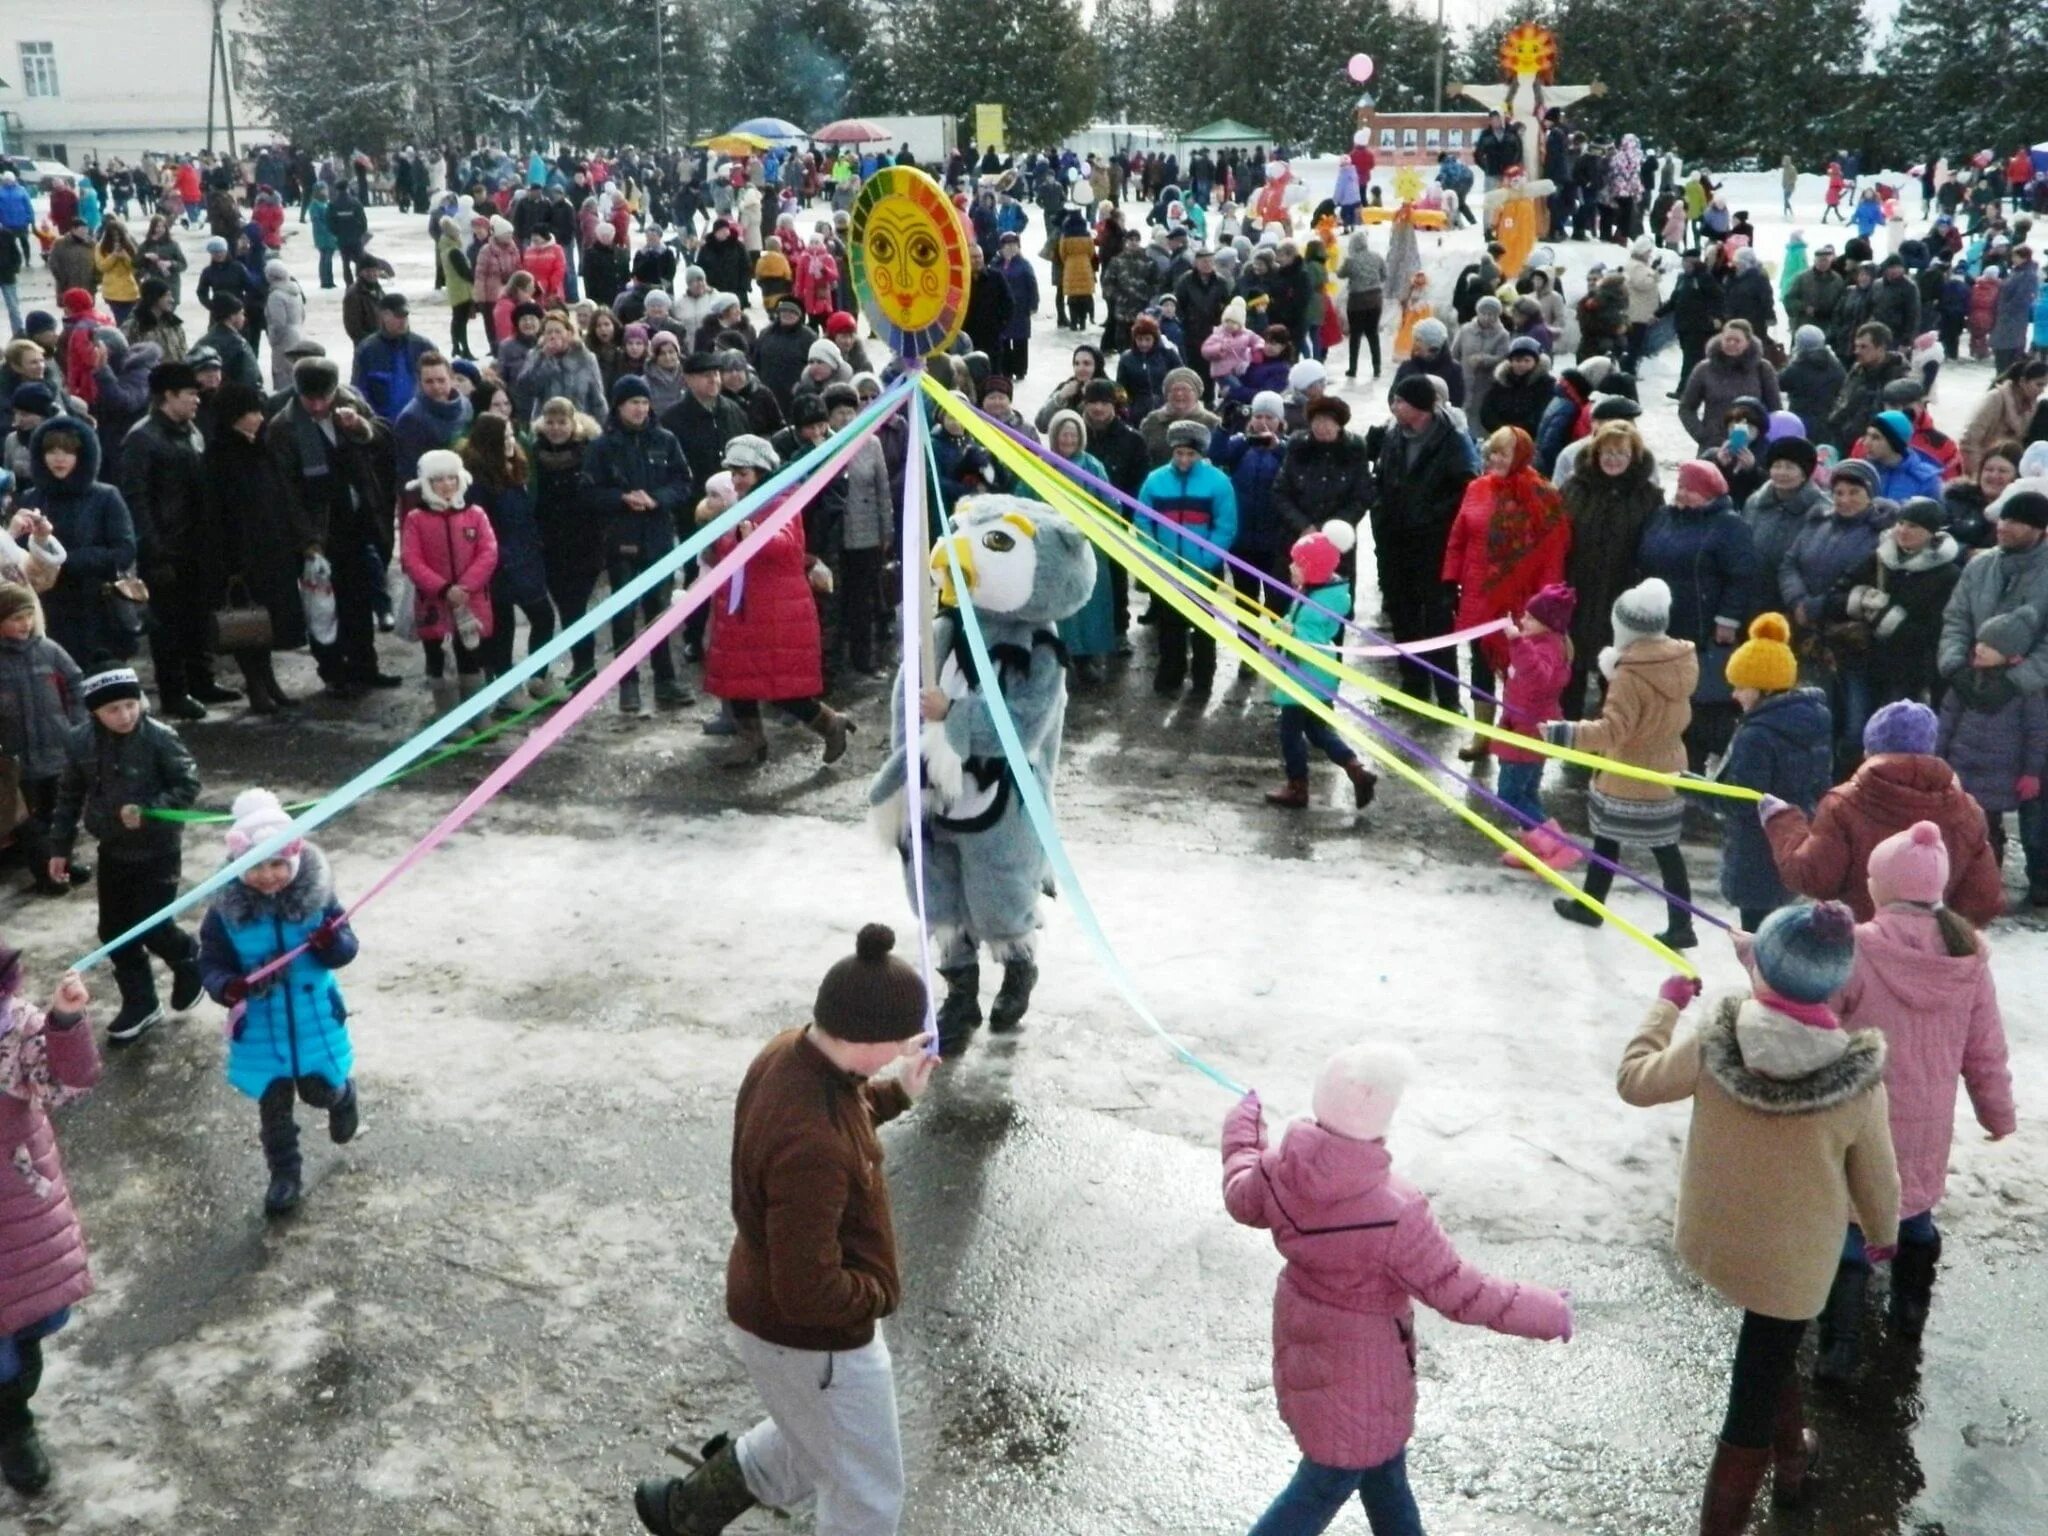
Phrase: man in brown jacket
[813,1267]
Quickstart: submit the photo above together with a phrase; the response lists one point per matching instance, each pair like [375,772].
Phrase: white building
[81,79]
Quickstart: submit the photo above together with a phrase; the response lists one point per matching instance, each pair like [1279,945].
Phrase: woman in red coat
[764,644]
[550,268]
[1508,543]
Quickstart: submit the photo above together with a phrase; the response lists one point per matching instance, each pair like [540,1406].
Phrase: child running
[1317,619]
[287,1031]
[1539,667]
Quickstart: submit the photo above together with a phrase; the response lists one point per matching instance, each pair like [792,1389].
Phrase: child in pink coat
[45,1062]
[1231,349]
[1360,1245]
[451,554]
[1923,978]
[1539,666]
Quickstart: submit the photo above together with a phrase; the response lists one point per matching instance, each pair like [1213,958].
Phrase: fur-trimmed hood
[312,888]
[1856,1071]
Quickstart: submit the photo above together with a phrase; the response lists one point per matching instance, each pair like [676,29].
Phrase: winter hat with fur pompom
[258,818]
[1318,554]
[1359,1088]
[1642,612]
[1765,661]
[1910,866]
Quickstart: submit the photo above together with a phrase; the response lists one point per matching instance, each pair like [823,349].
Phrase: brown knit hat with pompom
[871,997]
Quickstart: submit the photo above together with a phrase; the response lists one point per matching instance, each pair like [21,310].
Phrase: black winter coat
[163,480]
[1319,481]
[148,767]
[1607,515]
[779,357]
[98,535]
[1516,400]
[260,530]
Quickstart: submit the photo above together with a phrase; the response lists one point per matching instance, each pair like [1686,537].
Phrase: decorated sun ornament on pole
[908,245]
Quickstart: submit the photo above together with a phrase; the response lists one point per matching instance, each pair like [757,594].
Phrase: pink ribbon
[1440,643]
[557,725]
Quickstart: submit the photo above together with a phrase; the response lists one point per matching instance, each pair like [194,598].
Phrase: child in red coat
[1539,667]
[450,553]
[45,1062]
[764,643]
[550,268]
[1361,1246]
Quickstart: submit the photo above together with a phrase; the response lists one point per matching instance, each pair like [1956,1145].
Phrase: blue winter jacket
[17,209]
[522,575]
[1827,549]
[1783,747]
[1023,284]
[387,371]
[1706,556]
[1202,501]
[1914,475]
[1252,467]
[298,1025]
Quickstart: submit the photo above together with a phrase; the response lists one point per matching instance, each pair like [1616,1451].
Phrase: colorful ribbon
[987,431]
[1456,637]
[916,576]
[1036,809]
[339,800]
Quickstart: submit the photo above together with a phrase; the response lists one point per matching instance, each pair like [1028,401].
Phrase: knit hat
[38,399]
[500,226]
[15,599]
[1174,376]
[1910,866]
[110,687]
[1904,726]
[223,306]
[871,997]
[2029,507]
[750,452]
[822,351]
[629,386]
[840,323]
[37,321]
[1359,1088]
[1305,375]
[1805,952]
[1793,450]
[1702,479]
[219,247]
[1265,403]
[1924,512]
[1554,606]
[1593,369]
[1642,612]
[1318,553]
[1488,307]
[1765,661]
[2010,634]
[1234,310]
[1187,434]
[1809,338]
[1524,346]
[1895,428]
[1856,472]
[1907,391]
[258,818]
[1431,333]
[1417,392]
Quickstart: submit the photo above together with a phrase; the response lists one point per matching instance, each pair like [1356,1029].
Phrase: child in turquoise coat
[287,1032]
[1318,621]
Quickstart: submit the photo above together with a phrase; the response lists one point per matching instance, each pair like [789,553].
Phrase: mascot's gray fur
[1027,568]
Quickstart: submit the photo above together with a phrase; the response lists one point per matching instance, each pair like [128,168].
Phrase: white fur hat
[1359,1088]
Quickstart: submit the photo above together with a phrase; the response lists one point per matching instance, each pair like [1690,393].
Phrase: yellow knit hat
[1765,661]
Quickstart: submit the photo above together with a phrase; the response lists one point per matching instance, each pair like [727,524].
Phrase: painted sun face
[910,261]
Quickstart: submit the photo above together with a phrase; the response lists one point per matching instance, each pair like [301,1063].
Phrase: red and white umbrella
[852,130]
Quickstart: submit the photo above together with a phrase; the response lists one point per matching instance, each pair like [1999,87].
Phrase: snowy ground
[504,1301]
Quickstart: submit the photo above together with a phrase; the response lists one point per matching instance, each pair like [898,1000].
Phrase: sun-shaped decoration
[1529,49]
[1407,184]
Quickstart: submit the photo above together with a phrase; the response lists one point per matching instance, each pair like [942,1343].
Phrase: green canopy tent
[1226,131]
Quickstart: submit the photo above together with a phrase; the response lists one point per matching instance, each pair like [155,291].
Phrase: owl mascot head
[1024,568]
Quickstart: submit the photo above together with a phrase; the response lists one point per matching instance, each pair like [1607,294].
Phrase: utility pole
[1439,55]
[217,63]
[660,81]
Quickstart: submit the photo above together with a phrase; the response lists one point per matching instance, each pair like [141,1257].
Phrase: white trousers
[830,1434]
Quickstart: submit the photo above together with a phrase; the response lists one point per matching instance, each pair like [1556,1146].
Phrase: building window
[39,69]
[1457,139]
[1386,138]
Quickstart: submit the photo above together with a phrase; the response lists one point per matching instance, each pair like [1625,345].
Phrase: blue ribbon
[1039,812]
[439,730]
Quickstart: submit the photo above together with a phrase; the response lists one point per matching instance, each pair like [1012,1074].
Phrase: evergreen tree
[799,62]
[1130,42]
[1958,78]
[1032,56]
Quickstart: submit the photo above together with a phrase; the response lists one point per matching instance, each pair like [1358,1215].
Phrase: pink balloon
[1360,67]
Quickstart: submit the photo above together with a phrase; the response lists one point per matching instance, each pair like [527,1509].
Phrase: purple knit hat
[1553,607]
[1905,726]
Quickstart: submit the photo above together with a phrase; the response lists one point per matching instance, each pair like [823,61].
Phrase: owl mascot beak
[942,567]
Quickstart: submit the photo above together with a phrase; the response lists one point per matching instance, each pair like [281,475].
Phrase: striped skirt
[1648,823]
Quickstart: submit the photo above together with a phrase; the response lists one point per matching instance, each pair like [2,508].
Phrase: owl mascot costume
[1026,569]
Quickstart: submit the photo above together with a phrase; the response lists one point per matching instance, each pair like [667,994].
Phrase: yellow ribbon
[1149,566]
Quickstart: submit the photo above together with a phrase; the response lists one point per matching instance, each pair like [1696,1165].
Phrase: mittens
[1679,991]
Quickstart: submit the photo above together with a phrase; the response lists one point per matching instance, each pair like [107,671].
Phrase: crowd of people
[1832,603]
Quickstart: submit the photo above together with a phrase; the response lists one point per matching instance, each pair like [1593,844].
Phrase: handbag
[405,621]
[126,601]
[242,625]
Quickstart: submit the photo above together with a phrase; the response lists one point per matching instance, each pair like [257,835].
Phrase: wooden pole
[919,538]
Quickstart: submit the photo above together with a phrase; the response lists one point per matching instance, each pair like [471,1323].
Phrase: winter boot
[281,1152]
[187,985]
[1573,912]
[22,1462]
[960,1013]
[1841,1325]
[670,694]
[205,690]
[702,1504]
[140,1012]
[1293,796]
[344,1116]
[1913,1287]
[470,685]
[1733,1478]
[1006,1013]
[444,694]
[1679,934]
[1537,841]
[749,747]
[1481,747]
[1795,1449]
[833,728]
[1364,783]
[629,695]
[1560,855]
